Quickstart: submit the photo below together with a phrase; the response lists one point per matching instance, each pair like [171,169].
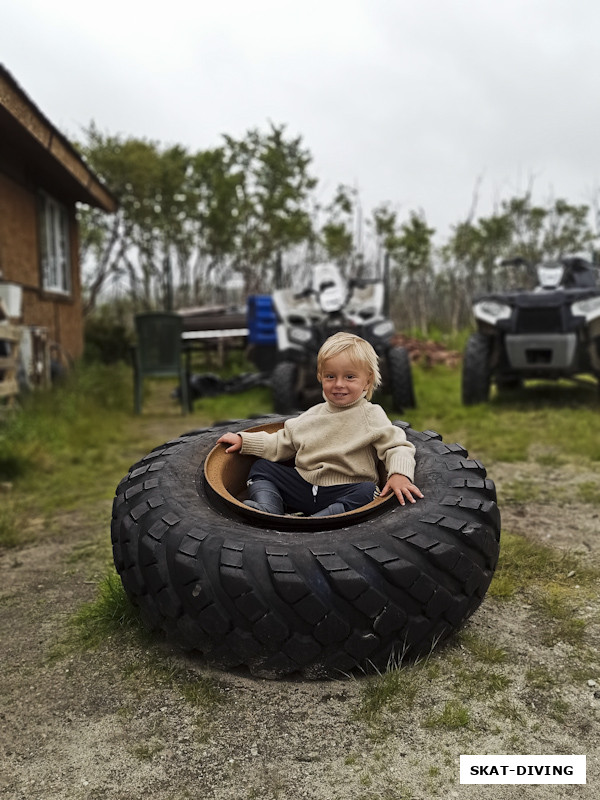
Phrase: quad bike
[306,319]
[551,331]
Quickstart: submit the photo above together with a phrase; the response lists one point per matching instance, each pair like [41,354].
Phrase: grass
[67,449]
[524,564]
[110,614]
[482,649]
[395,690]
[508,426]
[453,715]
[9,523]
[589,492]
[555,585]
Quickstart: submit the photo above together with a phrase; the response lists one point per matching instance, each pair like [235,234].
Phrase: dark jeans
[300,495]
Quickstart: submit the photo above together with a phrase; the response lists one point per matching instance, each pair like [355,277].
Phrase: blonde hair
[360,352]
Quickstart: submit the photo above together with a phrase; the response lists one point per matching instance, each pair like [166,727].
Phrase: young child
[336,444]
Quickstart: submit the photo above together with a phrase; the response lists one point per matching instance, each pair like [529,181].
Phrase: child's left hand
[402,487]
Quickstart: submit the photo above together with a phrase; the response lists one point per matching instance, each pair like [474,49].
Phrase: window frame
[55,246]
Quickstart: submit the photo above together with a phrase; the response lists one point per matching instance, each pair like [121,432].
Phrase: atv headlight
[491,311]
[300,335]
[383,329]
[590,308]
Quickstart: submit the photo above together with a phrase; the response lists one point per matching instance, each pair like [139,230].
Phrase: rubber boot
[264,497]
[334,508]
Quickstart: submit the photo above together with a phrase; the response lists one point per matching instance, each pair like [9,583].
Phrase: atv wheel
[320,595]
[400,379]
[284,387]
[476,371]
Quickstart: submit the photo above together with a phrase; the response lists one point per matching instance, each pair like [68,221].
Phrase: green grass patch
[56,451]
[396,689]
[254,402]
[525,565]
[147,750]
[540,678]
[507,710]
[453,716]
[10,531]
[481,649]
[555,584]
[111,613]
[154,672]
[505,428]
[589,492]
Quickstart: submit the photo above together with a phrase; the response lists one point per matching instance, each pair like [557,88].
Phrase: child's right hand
[232,439]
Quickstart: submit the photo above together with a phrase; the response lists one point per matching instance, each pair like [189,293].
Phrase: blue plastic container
[262,320]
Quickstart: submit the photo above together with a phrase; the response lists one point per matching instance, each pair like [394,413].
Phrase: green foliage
[9,523]
[337,232]
[239,206]
[395,689]
[482,649]
[273,190]
[108,338]
[527,566]
[505,428]
[519,228]
[109,614]
[589,492]
[187,222]
[454,715]
[56,430]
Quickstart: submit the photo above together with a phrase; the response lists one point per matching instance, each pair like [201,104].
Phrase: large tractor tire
[476,369]
[400,379]
[317,596]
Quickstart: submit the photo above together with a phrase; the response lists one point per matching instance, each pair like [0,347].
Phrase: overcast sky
[413,103]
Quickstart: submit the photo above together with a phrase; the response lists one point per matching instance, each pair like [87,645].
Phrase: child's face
[342,380]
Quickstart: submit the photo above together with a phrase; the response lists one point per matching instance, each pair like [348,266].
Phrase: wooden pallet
[10,339]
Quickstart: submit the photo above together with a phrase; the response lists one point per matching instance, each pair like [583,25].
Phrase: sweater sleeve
[392,446]
[277,446]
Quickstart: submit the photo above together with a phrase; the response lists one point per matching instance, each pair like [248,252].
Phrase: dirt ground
[114,723]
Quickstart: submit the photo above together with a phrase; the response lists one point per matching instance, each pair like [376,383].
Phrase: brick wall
[20,263]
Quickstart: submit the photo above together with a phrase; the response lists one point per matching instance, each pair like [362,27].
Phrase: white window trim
[55,252]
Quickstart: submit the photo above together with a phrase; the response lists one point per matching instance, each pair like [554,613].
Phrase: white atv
[306,319]
[550,331]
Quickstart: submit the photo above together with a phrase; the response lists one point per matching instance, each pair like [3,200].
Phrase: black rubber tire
[284,388]
[319,602]
[476,369]
[400,379]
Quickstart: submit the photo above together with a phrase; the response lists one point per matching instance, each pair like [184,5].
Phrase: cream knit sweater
[337,444]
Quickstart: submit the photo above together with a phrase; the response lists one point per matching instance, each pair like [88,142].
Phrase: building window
[54,241]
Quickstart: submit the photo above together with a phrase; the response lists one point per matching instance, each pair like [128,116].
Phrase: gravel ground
[120,721]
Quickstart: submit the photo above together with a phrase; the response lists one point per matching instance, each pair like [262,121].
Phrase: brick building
[42,178]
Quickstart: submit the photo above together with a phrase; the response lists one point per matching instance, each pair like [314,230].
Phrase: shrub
[108,339]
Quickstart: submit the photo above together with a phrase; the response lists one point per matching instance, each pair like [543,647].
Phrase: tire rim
[225,479]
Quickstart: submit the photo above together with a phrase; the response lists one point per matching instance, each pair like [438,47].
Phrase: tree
[151,226]
[518,228]
[336,234]
[272,193]
[412,252]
